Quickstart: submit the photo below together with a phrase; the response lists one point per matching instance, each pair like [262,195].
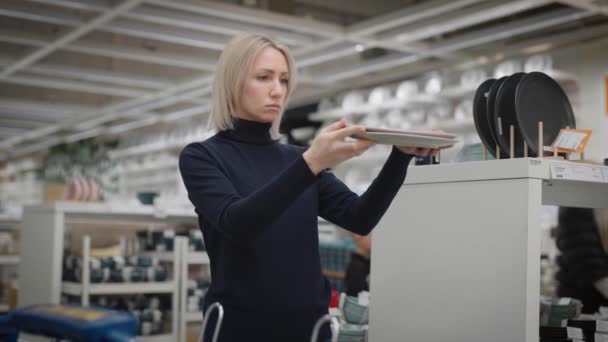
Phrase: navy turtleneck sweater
[258,204]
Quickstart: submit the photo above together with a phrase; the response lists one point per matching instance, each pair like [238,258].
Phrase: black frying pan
[480,116]
[504,116]
[490,114]
[540,98]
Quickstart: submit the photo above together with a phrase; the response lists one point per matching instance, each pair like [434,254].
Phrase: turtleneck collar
[251,132]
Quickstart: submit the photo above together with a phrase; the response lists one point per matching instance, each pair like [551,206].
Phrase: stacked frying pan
[521,100]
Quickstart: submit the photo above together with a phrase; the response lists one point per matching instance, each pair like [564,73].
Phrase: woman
[258,201]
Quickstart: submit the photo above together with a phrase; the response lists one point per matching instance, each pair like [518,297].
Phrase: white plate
[400,139]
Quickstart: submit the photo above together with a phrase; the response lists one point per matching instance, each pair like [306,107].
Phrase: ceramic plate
[401,139]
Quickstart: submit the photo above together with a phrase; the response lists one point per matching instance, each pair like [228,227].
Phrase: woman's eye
[285,81]
[262,77]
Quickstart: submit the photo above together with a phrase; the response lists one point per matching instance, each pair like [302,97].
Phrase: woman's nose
[277,89]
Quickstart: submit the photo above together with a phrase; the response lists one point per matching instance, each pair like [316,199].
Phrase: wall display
[353,100]
[538,63]
[379,95]
[406,90]
[540,98]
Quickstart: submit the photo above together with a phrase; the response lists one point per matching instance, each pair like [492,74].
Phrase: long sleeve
[239,217]
[360,214]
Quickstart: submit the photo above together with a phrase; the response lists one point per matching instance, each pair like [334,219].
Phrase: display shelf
[191,317]
[164,180]
[9,259]
[450,126]
[457,92]
[76,289]
[194,258]
[145,149]
[149,167]
[420,100]
[476,226]
[560,75]
[115,211]
[43,231]
[198,258]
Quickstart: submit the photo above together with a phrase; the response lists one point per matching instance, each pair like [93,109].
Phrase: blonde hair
[234,63]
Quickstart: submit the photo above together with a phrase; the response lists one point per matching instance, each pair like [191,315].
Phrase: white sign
[571,171]
[569,140]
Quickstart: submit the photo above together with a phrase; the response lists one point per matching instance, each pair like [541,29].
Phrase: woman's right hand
[329,148]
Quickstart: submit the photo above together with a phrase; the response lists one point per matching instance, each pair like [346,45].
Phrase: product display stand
[40,267]
[457,256]
[190,258]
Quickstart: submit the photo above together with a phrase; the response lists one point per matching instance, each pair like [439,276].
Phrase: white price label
[571,171]
[569,140]
[575,333]
[601,337]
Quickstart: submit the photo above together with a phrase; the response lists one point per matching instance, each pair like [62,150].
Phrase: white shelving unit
[192,258]
[11,224]
[43,231]
[145,149]
[420,100]
[86,289]
[457,256]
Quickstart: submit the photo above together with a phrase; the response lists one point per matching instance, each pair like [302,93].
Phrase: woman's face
[265,87]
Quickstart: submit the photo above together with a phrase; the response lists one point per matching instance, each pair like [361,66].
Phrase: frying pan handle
[218,325]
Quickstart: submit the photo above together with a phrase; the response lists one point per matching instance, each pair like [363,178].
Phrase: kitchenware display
[353,100]
[379,95]
[433,84]
[472,77]
[507,68]
[490,116]
[406,90]
[538,63]
[464,111]
[505,117]
[539,98]
[480,117]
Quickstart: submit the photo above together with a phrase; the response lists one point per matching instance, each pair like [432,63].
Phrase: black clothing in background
[583,260]
[357,275]
[258,205]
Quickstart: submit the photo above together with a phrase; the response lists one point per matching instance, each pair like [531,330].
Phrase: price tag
[570,140]
[575,333]
[588,173]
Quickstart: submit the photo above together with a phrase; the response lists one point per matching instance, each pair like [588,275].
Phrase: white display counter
[457,255]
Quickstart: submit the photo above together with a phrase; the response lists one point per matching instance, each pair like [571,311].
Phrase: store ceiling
[70,70]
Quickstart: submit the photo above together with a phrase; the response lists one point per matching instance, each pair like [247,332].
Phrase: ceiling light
[359,47]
